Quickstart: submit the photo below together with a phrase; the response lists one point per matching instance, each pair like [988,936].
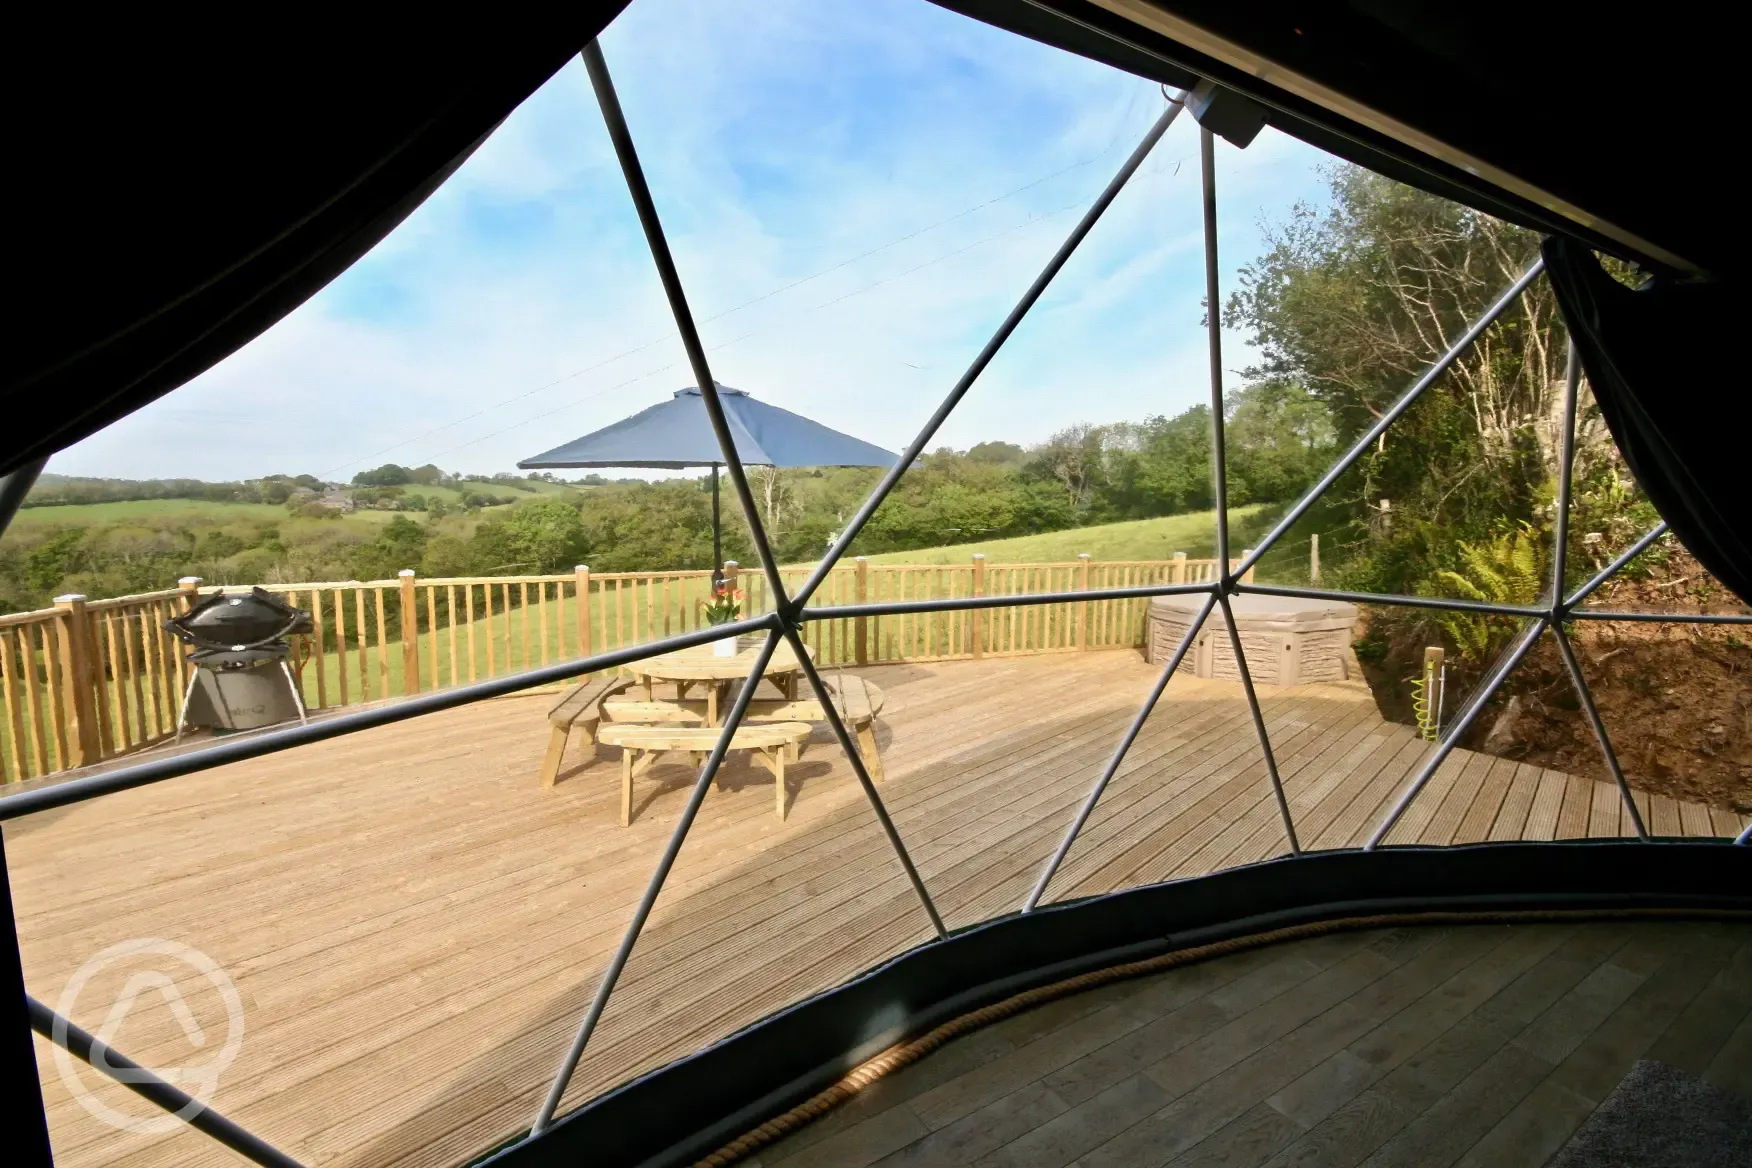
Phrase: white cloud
[781,139]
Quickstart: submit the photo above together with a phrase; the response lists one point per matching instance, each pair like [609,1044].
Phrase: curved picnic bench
[581,710]
[597,706]
[773,744]
[857,700]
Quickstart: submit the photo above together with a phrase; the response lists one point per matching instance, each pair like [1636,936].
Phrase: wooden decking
[1484,1047]
[415,926]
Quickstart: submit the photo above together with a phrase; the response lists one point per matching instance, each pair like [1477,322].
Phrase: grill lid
[238,621]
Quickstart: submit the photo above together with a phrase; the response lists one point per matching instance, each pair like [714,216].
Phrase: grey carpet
[1658,1117]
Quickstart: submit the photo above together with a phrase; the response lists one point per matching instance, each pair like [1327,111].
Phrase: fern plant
[1506,569]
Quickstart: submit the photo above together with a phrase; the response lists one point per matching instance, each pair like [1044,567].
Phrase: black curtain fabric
[1446,74]
[1661,362]
[179,183]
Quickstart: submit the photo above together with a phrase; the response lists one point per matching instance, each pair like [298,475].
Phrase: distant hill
[387,488]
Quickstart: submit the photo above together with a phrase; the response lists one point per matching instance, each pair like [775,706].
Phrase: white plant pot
[727,646]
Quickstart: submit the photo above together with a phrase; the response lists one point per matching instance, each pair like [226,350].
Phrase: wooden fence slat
[487,604]
[408,616]
[318,653]
[136,666]
[450,620]
[57,696]
[382,642]
[362,642]
[582,599]
[340,645]
[468,612]
[117,687]
[152,662]
[11,675]
[139,673]
[651,633]
[979,614]
[523,623]
[620,614]
[170,656]
[35,696]
[431,635]
[112,661]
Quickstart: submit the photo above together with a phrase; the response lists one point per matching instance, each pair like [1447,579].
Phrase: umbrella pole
[717,531]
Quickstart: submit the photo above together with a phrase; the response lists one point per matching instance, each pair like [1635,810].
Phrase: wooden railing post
[978,613]
[1083,608]
[182,670]
[1177,574]
[1248,578]
[861,634]
[78,660]
[410,633]
[1314,558]
[582,572]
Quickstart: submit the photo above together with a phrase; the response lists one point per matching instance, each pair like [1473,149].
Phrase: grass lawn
[201,511]
[149,510]
[1138,539]
[452,495]
[1194,533]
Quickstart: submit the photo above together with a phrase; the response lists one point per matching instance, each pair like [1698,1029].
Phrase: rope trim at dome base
[905,1054]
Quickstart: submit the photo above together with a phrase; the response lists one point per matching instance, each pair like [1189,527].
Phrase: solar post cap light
[787,620]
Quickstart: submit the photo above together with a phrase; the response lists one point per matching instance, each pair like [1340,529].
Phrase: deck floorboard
[415,926]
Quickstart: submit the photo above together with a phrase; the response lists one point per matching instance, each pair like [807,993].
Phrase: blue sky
[882,178]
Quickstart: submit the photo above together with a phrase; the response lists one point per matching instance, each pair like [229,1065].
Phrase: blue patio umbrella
[678,433]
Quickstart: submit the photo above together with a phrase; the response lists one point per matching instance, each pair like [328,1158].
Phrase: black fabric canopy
[1563,119]
[1607,134]
[1657,362]
[178,185]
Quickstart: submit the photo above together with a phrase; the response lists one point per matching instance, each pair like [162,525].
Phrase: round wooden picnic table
[700,666]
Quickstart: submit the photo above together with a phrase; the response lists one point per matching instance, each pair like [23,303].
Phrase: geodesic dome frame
[689,1108]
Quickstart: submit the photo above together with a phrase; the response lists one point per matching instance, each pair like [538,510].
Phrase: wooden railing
[87,681]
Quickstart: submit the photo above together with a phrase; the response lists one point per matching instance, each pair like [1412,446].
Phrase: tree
[1174,462]
[1001,453]
[1278,439]
[1354,303]
[538,537]
[387,475]
[54,558]
[1073,457]
[655,526]
[1347,306]
[401,544]
[774,491]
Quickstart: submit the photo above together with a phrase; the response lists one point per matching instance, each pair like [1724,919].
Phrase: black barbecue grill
[241,678]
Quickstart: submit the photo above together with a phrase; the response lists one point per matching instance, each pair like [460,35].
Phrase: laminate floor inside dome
[1484,1045]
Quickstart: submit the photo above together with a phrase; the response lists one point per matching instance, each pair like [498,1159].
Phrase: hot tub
[1288,641]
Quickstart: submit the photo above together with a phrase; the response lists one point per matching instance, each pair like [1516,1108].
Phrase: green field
[1194,533]
[151,510]
[147,511]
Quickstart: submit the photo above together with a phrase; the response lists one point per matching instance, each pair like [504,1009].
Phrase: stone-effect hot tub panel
[1288,640]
